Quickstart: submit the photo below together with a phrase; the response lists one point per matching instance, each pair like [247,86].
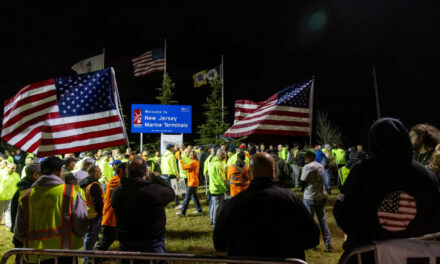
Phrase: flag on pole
[91,64]
[65,115]
[148,62]
[288,112]
[200,78]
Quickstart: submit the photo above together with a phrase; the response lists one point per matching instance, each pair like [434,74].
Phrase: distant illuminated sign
[148,118]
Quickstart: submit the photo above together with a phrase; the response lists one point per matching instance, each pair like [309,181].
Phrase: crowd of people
[66,202]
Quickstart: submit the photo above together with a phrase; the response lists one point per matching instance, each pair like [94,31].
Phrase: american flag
[148,62]
[396,211]
[288,112]
[65,115]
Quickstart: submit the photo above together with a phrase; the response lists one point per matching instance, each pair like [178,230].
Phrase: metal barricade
[357,252]
[115,256]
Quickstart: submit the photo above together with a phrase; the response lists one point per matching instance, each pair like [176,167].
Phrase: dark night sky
[266,46]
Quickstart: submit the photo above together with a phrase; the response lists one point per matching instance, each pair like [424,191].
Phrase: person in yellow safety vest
[9,156]
[208,160]
[340,156]
[238,175]
[51,214]
[94,199]
[186,160]
[156,160]
[8,186]
[342,176]
[106,168]
[283,152]
[168,166]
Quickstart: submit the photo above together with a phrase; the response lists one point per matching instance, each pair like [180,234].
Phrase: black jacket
[95,193]
[139,206]
[390,170]
[265,221]
[282,171]
[22,185]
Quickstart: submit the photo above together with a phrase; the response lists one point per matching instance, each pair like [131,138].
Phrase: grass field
[193,234]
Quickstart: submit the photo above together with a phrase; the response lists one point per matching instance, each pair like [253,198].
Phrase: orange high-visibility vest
[239,178]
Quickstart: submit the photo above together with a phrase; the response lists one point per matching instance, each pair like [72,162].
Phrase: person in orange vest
[193,182]
[94,196]
[238,175]
[108,224]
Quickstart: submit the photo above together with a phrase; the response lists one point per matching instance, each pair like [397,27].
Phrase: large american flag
[396,211]
[65,115]
[148,62]
[288,112]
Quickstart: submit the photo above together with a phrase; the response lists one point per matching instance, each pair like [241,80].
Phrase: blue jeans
[318,206]
[156,245]
[191,193]
[94,226]
[217,203]
[327,180]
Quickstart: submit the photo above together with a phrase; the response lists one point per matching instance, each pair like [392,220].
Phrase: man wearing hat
[315,195]
[51,214]
[106,168]
[32,173]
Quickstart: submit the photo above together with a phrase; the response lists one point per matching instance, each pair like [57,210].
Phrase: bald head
[263,166]
[137,167]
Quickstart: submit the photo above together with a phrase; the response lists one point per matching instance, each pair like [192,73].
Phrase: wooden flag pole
[165,58]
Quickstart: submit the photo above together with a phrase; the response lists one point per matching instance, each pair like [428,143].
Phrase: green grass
[192,234]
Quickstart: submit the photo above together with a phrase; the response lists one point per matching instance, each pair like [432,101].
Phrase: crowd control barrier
[113,257]
[418,250]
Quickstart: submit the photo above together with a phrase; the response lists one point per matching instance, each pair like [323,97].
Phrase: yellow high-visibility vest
[47,210]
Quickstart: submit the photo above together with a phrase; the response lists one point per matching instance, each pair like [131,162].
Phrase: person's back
[390,195]
[265,220]
[139,206]
[43,207]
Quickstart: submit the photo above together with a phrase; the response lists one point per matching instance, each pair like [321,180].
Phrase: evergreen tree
[166,91]
[214,126]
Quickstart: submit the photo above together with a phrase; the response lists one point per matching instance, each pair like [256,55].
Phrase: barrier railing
[114,256]
[357,252]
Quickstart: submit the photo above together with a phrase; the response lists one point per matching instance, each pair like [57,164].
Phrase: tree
[326,132]
[166,91]
[214,126]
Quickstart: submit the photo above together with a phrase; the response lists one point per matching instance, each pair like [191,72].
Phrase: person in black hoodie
[265,220]
[33,172]
[368,206]
[139,205]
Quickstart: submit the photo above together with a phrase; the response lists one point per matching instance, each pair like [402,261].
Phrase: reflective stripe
[26,211]
[240,184]
[65,230]
[235,176]
[66,211]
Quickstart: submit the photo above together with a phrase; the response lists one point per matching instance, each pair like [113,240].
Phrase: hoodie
[391,170]
[22,185]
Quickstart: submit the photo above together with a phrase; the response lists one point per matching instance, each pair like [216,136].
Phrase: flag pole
[311,110]
[377,92]
[103,58]
[223,92]
[165,58]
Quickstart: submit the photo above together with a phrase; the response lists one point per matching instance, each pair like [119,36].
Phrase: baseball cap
[51,164]
[107,153]
[115,162]
[88,160]
[242,146]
